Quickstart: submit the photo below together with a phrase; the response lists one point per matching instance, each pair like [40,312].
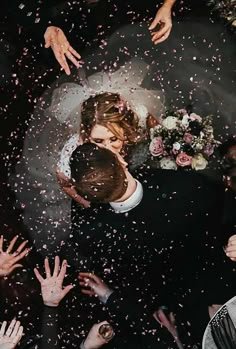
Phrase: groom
[155,233]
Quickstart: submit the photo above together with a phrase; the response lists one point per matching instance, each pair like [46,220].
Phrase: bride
[111,109]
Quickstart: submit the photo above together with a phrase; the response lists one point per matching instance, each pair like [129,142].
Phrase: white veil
[127,81]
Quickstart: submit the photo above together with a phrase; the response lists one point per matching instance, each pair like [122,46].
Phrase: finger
[15,329]
[172,318]
[56,266]
[72,59]
[75,53]
[232,238]
[3,328]
[10,328]
[48,35]
[12,243]
[91,277]
[15,266]
[154,23]
[63,271]
[38,275]
[21,255]
[62,61]
[21,247]
[230,249]
[163,318]
[162,32]
[1,243]
[67,290]
[47,268]
[19,335]
[164,37]
[88,292]
[48,42]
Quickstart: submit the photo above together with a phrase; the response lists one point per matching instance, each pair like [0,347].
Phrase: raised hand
[52,286]
[9,259]
[94,339]
[10,338]
[55,38]
[169,323]
[230,249]
[163,19]
[98,287]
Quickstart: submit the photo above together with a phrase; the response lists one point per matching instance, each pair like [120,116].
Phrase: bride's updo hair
[111,111]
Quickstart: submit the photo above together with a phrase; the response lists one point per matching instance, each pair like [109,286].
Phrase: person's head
[97,174]
[107,119]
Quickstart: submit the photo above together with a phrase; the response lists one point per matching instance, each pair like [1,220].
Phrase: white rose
[170,122]
[199,146]
[176,146]
[199,162]
[168,164]
[185,120]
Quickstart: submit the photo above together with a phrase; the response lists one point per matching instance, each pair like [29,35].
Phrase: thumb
[67,290]
[47,43]
[14,267]
[154,23]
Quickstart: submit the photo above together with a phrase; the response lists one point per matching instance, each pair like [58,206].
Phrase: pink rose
[183,160]
[195,117]
[188,137]
[182,111]
[156,146]
[209,149]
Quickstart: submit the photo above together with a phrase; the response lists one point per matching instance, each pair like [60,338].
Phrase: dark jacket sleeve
[140,320]
[50,330]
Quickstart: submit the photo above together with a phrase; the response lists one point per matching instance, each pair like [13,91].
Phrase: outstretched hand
[163,19]
[94,340]
[10,337]
[230,249]
[55,38]
[169,323]
[9,259]
[97,286]
[52,286]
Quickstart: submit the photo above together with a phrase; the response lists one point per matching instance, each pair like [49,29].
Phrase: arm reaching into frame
[56,39]
[9,259]
[52,286]
[164,20]
[11,336]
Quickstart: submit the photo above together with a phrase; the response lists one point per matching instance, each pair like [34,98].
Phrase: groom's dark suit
[163,249]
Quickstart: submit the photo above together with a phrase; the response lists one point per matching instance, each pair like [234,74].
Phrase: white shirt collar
[131,202]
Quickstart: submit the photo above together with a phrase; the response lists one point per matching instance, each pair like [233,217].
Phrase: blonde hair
[111,111]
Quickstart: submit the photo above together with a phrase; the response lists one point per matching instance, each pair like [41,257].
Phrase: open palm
[8,260]
[10,338]
[52,286]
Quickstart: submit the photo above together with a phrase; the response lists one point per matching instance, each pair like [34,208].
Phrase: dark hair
[228,163]
[97,174]
[224,147]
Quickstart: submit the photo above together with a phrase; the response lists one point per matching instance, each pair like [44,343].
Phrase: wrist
[51,304]
[168,4]
[85,345]
[104,298]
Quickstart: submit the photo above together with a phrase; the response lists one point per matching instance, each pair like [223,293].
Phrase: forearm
[169,3]
[50,329]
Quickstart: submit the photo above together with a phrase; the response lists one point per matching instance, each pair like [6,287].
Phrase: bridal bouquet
[183,140]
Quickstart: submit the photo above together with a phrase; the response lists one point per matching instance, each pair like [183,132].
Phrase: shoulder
[63,164]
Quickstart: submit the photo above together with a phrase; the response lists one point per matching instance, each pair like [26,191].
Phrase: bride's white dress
[53,134]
